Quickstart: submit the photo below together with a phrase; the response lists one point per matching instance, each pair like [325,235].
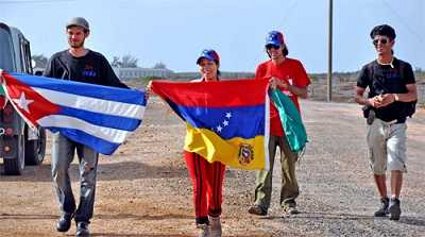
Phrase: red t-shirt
[293,72]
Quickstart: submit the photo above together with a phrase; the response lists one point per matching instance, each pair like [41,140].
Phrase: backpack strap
[371,72]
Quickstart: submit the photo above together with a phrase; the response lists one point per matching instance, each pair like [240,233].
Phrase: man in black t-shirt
[392,90]
[83,65]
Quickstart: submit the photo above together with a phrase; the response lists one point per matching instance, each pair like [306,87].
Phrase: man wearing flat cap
[77,63]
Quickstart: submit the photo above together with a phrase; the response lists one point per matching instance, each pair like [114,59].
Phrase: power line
[403,22]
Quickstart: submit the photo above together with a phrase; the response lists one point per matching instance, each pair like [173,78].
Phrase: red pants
[207,180]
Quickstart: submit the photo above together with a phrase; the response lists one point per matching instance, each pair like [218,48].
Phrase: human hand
[148,90]
[374,101]
[278,83]
[385,99]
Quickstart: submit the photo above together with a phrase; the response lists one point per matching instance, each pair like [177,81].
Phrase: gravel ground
[144,190]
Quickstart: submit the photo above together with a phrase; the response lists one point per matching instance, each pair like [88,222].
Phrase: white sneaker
[203,230]
[215,226]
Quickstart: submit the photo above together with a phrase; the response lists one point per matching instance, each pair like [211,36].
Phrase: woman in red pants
[207,178]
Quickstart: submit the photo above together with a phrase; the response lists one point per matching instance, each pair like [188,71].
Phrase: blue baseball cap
[275,38]
[210,55]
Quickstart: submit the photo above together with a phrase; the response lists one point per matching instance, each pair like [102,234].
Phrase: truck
[20,145]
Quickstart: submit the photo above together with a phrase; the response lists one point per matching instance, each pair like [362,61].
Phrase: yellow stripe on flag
[237,152]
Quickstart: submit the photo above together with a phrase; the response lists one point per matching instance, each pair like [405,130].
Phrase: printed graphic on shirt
[89,71]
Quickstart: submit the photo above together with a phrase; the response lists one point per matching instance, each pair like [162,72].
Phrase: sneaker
[82,229]
[215,226]
[383,210]
[64,222]
[257,210]
[394,209]
[290,209]
[203,230]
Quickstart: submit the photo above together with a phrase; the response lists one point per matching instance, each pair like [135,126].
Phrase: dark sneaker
[257,210]
[82,229]
[290,208]
[383,210]
[64,222]
[394,209]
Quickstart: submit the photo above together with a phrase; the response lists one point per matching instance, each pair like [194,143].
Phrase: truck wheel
[35,150]
[15,165]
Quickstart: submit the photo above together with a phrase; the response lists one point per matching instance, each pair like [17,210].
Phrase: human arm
[282,84]
[364,81]
[390,98]
[360,99]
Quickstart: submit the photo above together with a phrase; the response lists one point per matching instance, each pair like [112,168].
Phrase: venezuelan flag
[227,121]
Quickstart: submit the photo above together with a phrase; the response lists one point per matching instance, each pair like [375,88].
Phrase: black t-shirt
[382,79]
[92,68]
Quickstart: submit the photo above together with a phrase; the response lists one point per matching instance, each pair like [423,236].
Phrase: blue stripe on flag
[104,120]
[97,144]
[242,121]
[84,89]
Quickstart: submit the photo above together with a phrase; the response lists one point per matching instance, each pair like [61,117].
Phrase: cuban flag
[99,117]
[226,121]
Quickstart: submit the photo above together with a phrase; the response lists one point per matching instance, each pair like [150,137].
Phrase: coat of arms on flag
[227,121]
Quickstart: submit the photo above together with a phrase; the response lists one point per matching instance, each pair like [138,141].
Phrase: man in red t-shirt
[289,76]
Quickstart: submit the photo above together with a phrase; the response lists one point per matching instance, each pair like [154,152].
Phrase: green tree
[40,60]
[125,61]
[160,65]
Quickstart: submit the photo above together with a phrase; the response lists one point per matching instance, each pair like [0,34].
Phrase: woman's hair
[218,66]
[285,51]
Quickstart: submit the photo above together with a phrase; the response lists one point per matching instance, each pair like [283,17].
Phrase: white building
[134,73]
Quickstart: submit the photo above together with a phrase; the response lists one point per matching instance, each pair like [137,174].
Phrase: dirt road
[143,190]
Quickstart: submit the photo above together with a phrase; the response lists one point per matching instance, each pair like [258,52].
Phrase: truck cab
[19,144]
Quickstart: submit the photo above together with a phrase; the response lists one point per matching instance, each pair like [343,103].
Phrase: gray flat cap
[78,21]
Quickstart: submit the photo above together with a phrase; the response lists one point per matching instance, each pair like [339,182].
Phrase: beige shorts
[387,146]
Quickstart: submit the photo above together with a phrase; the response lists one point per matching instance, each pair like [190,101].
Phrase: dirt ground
[144,190]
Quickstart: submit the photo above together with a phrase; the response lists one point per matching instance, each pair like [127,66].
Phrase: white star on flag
[228,115]
[23,103]
[225,123]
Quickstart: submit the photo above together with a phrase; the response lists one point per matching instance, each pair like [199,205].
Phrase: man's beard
[77,45]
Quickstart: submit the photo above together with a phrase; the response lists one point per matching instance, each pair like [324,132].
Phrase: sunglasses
[272,46]
[382,41]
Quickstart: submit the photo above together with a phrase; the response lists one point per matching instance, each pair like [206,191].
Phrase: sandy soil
[144,190]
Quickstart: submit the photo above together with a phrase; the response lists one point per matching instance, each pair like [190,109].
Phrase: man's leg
[289,190]
[396,183]
[397,165]
[88,173]
[381,184]
[62,155]
[376,139]
[263,189]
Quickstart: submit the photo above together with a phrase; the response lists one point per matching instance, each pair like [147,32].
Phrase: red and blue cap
[275,38]
[210,55]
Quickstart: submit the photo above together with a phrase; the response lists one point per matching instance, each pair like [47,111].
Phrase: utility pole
[330,51]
